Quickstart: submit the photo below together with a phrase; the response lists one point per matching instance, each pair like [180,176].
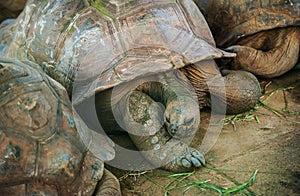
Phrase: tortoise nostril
[173,128]
[173,131]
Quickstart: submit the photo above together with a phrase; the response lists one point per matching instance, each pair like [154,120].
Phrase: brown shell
[40,144]
[230,20]
[104,43]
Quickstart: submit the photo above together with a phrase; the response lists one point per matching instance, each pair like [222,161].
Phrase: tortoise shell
[41,148]
[230,20]
[93,45]
[100,44]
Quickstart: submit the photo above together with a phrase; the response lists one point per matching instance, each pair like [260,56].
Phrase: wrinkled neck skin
[205,78]
[234,91]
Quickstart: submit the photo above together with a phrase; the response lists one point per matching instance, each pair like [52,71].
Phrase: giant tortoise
[264,34]
[150,64]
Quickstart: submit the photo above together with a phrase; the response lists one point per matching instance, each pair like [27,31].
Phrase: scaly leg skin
[268,53]
[144,121]
[175,92]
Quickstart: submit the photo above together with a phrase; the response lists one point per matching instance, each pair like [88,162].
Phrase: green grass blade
[242,186]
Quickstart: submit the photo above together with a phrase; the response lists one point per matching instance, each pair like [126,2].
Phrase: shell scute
[231,19]
[49,26]
[17,158]
[38,136]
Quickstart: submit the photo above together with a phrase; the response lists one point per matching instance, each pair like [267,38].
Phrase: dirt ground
[265,140]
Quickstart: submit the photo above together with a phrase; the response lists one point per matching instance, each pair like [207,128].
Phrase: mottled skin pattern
[264,34]
[102,41]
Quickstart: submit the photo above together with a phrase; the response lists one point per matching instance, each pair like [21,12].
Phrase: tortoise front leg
[161,115]
[144,122]
[161,118]
[174,91]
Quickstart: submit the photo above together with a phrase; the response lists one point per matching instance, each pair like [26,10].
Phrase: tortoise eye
[189,121]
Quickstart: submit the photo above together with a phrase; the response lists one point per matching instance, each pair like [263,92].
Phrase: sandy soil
[266,139]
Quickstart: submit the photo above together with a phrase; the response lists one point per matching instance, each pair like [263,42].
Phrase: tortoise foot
[175,156]
[193,158]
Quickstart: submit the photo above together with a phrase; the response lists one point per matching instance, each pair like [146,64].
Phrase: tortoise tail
[108,186]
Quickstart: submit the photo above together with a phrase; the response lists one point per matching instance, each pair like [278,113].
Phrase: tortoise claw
[193,159]
[231,49]
[199,156]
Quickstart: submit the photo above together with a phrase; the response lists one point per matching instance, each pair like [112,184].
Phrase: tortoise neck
[203,76]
